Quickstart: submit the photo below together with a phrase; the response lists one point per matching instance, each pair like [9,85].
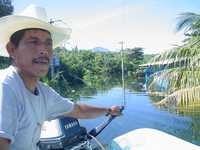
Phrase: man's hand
[4,144]
[115,110]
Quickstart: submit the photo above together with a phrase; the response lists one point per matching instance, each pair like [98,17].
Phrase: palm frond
[180,98]
[188,22]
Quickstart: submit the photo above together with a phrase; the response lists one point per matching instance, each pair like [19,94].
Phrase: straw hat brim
[13,23]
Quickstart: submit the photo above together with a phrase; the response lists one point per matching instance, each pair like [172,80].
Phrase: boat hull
[150,139]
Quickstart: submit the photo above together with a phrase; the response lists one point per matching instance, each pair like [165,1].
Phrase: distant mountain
[100,49]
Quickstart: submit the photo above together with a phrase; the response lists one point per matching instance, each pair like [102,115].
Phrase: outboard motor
[64,134]
[67,134]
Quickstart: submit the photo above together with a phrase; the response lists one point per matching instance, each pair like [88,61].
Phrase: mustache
[42,58]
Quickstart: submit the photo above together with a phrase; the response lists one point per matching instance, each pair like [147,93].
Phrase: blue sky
[139,23]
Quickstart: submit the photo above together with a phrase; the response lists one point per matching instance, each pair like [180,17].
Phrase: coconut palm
[182,69]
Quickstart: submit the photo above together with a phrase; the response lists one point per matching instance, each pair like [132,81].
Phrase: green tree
[6,7]
[84,67]
[133,57]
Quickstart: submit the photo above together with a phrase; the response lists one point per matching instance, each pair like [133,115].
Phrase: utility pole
[122,71]
[52,21]
[52,65]
[54,58]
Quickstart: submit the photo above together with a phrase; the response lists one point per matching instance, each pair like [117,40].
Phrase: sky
[150,24]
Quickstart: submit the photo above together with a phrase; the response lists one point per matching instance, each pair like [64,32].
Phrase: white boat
[67,134]
[150,139]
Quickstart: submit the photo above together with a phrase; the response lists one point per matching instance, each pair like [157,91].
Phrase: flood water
[140,112]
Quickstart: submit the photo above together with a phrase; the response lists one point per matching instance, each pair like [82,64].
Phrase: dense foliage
[84,66]
[6,7]
[80,68]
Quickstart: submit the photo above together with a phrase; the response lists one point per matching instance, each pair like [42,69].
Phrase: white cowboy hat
[31,17]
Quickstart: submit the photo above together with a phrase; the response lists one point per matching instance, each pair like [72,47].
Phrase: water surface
[140,112]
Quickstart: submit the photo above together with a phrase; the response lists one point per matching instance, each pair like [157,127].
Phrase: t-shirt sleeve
[57,105]
[8,113]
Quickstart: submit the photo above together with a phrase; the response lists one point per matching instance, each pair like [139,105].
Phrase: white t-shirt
[22,113]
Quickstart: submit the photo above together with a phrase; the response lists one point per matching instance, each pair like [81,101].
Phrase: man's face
[33,54]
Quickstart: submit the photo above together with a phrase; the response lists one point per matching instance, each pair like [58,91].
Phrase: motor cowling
[63,133]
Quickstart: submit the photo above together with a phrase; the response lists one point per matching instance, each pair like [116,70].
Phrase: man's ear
[11,48]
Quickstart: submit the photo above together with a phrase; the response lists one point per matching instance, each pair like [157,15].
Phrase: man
[25,102]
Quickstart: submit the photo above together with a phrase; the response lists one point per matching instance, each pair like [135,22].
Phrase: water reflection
[140,112]
[100,84]
[191,111]
[194,113]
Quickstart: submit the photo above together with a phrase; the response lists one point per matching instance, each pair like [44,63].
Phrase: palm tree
[182,70]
